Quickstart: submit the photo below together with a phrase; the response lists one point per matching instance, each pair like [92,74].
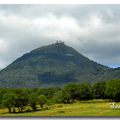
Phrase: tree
[33,90]
[3,90]
[21,98]
[50,92]
[117,84]
[99,89]
[65,96]
[42,100]
[89,87]
[113,89]
[61,97]
[57,97]
[110,91]
[83,92]
[42,91]
[33,98]
[8,101]
[27,90]
[70,90]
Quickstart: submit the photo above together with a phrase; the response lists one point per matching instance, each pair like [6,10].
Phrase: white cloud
[93,30]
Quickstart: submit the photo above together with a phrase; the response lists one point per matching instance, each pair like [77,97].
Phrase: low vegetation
[94,108]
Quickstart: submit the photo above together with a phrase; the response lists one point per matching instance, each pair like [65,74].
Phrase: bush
[59,105]
[61,111]
[49,102]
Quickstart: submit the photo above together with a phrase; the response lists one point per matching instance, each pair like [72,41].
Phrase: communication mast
[58,41]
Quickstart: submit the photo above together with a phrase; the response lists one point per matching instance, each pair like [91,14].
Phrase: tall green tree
[89,87]
[57,97]
[33,98]
[83,92]
[110,91]
[65,97]
[3,90]
[50,92]
[61,97]
[42,91]
[113,89]
[21,98]
[8,101]
[42,100]
[99,89]
[117,84]
[70,89]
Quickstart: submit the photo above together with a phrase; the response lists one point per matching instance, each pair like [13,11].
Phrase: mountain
[54,65]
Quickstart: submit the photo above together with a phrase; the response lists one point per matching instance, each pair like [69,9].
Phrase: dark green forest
[54,66]
[12,98]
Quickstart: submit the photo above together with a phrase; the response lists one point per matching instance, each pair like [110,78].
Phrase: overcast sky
[93,30]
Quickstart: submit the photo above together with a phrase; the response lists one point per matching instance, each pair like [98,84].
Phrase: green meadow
[80,108]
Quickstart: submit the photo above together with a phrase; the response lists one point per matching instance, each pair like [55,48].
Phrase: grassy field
[75,109]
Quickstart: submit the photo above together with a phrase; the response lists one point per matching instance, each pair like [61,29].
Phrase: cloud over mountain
[93,30]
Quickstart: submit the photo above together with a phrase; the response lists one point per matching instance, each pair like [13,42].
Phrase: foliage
[90,89]
[21,98]
[8,101]
[117,84]
[33,98]
[33,90]
[27,90]
[70,89]
[65,96]
[50,102]
[99,89]
[83,92]
[113,89]
[3,90]
[42,100]
[57,97]
[48,92]
[51,66]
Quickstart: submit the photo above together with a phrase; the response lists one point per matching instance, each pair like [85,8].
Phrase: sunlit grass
[76,109]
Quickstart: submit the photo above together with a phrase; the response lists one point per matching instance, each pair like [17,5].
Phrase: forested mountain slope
[54,65]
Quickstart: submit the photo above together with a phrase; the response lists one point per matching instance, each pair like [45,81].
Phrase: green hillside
[54,65]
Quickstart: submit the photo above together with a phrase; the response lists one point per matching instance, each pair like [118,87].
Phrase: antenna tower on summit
[58,41]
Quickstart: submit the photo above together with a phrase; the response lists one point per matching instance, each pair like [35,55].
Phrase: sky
[91,29]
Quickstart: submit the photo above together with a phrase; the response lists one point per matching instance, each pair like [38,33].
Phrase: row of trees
[107,90]
[101,90]
[20,97]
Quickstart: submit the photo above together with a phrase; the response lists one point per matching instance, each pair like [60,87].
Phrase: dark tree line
[21,97]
